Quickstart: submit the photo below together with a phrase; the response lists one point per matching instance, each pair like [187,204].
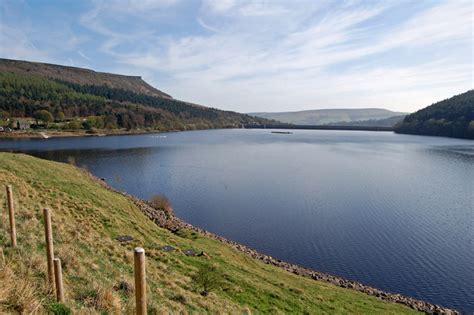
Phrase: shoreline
[73,134]
[172,223]
[119,132]
[42,134]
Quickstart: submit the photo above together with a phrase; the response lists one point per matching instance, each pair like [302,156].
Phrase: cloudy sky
[258,55]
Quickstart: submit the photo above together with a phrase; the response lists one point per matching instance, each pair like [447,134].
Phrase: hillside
[67,98]
[98,269]
[327,116]
[453,117]
[384,122]
[80,76]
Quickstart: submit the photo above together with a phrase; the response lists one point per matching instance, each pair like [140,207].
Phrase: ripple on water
[393,211]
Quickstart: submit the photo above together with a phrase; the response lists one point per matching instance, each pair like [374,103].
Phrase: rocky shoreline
[172,223]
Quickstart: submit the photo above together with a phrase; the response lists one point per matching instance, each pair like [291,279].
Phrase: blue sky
[258,55]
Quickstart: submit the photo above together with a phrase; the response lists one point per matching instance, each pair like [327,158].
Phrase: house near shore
[23,124]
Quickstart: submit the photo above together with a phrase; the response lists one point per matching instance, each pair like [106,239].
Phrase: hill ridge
[328,116]
[66,95]
[452,117]
[50,70]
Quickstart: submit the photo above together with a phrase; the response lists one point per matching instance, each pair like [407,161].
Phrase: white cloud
[219,6]
[83,55]
[48,41]
[447,23]
[244,72]
[261,9]
[16,44]
[257,56]
[207,26]
[244,7]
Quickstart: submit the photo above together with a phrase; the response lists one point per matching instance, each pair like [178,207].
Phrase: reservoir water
[392,211]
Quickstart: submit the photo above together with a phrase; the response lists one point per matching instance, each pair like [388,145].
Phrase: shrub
[100,298]
[124,288]
[180,298]
[207,278]
[18,294]
[60,117]
[162,203]
[59,309]
[73,125]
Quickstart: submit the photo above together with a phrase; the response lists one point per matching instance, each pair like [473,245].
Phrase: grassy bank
[98,270]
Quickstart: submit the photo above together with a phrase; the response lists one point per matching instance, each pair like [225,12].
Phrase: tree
[22,95]
[207,278]
[60,117]
[470,129]
[4,115]
[110,122]
[44,116]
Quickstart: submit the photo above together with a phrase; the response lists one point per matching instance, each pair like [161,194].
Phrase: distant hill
[453,117]
[328,116]
[108,101]
[385,122]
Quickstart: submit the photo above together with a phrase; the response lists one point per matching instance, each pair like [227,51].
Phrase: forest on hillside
[62,102]
[453,117]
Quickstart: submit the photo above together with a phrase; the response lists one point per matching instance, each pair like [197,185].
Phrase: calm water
[392,211]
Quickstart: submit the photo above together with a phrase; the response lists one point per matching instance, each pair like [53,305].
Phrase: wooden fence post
[48,233]
[140,281]
[2,257]
[11,212]
[58,277]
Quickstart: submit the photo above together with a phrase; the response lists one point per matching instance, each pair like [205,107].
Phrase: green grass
[87,217]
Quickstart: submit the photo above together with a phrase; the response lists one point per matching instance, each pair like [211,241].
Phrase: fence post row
[140,281]
[11,213]
[48,233]
[55,277]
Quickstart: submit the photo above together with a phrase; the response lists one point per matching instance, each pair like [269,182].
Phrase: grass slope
[87,217]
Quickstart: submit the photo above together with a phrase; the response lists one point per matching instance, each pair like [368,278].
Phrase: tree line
[453,117]
[105,107]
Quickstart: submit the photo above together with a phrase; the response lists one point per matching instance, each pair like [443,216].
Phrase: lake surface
[392,211]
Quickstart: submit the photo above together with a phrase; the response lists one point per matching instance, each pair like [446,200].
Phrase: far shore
[52,133]
[45,134]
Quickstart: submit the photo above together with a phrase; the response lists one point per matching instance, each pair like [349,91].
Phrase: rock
[124,238]
[189,252]
[168,248]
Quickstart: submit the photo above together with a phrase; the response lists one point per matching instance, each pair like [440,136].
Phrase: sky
[253,56]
